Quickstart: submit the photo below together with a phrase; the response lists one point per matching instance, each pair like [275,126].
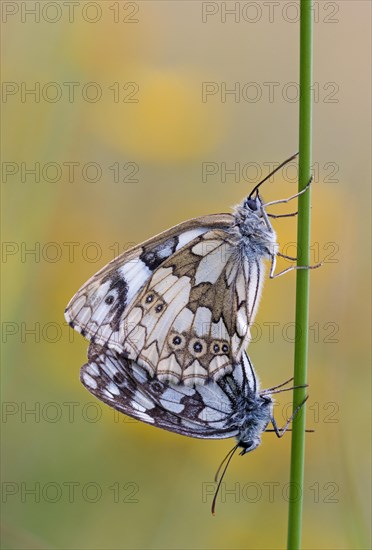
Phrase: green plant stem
[302,281]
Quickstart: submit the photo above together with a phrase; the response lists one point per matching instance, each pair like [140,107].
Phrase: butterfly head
[252,208]
[253,225]
[253,204]
[252,219]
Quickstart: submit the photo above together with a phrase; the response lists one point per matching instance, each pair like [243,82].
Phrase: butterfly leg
[271,390]
[280,201]
[291,268]
[290,430]
[263,393]
[282,215]
[268,390]
[281,431]
[286,257]
[295,267]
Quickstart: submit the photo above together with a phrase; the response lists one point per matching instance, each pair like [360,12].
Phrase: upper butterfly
[181,304]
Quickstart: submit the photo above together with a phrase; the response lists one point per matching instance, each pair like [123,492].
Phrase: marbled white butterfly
[182,303]
[232,406]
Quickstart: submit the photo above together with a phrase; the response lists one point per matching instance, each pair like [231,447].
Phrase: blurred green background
[118,133]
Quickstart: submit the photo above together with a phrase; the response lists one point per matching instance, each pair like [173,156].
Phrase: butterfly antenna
[272,173]
[268,390]
[223,462]
[227,459]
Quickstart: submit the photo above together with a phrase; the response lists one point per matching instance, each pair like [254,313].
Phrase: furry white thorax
[258,414]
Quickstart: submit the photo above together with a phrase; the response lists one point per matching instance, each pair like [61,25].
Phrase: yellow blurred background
[121,119]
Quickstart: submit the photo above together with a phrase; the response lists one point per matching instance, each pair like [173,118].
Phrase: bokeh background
[125,145]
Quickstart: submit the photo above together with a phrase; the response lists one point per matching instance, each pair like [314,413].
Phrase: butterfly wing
[180,305]
[190,322]
[206,412]
[97,309]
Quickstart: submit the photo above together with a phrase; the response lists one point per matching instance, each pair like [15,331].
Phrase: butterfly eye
[109,300]
[251,204]
[266,400]
[149,298]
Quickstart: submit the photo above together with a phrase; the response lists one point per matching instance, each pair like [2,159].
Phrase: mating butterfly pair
[169,321]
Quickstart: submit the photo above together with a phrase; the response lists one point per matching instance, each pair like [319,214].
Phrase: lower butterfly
[234,406]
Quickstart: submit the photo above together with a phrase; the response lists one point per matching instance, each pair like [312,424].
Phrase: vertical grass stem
[302,281]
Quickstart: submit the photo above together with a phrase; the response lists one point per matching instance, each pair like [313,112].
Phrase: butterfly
[181,304]
[233,406]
